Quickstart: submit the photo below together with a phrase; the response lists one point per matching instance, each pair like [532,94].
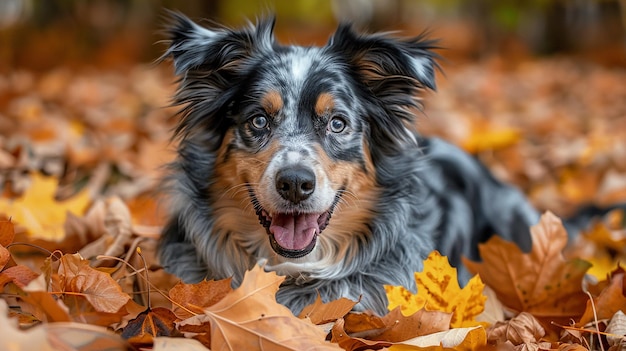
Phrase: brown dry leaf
[5,257]
[321,313]
[523,328]
[249,318]
[191,299]
[83,337]
[149,324]
[82,231]
[540,282]
[363,324]
[117,232]
[15,339]
[422,322]
[350,343]
[147,210]
[610,300]
[19,275]
[7,232]
[616,329]
[45,307]
[77,277]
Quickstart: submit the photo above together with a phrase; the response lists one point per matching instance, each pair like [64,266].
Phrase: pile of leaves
[79,160]
[535,300]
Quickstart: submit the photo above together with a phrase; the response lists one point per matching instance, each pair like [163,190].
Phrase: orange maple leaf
[540,282]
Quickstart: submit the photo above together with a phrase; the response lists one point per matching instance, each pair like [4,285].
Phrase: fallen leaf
[399,296]
[521,329]
[605,305]
[249,318]
[39,212]
[191,299]
[350,343]
[320,313]
[438,290]
[117,231]
[488,137]
[5,257]
[423,322]
[364,324]
[7,232]
[150,324]
[494,311]
[83,337]
[164,343]
[77,277]
[616,329]
[15,339]
[20,275]
[46,307]
[540,282]
[458,339]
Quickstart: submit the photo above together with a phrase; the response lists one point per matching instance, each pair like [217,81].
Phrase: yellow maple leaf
[438,290]
[39,212]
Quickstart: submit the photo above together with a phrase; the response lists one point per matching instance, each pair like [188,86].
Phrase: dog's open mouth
[293,235]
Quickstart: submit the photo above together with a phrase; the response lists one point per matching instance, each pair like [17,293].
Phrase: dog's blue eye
[337,125]
[259,122]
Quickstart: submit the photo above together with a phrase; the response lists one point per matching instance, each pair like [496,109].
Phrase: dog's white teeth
[264,218]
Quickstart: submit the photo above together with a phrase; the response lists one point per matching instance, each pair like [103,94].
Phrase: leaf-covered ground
[80,157]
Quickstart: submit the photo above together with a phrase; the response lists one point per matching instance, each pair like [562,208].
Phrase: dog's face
[295,132]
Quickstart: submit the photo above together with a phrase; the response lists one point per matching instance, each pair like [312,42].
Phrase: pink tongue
[294,231]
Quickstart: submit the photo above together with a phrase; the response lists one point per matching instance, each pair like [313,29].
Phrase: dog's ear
[211,64]
[385,64]
[394,71]
[223,51]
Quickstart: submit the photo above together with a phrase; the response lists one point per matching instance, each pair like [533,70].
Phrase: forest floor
[81,154]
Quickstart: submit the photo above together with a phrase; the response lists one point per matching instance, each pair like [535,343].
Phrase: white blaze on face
[300,64]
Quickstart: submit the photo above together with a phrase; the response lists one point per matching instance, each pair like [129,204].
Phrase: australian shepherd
[307,159]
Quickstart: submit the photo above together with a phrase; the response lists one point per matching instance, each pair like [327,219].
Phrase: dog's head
[295,133]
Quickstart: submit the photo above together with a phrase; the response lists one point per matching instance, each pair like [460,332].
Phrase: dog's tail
[586,216]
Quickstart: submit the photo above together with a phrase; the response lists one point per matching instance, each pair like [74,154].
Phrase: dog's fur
[275,139]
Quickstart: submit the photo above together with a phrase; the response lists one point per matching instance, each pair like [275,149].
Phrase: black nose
[295,183]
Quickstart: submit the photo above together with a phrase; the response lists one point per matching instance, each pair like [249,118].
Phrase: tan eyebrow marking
[272,102]
[325,103]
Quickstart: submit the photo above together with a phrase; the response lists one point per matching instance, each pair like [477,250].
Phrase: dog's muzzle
[294,234]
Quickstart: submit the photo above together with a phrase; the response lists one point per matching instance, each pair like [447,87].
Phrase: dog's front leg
[178,256]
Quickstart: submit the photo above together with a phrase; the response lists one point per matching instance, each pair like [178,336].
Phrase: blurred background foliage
[41,34]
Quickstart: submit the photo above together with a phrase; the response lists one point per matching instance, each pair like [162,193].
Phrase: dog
[307,159]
